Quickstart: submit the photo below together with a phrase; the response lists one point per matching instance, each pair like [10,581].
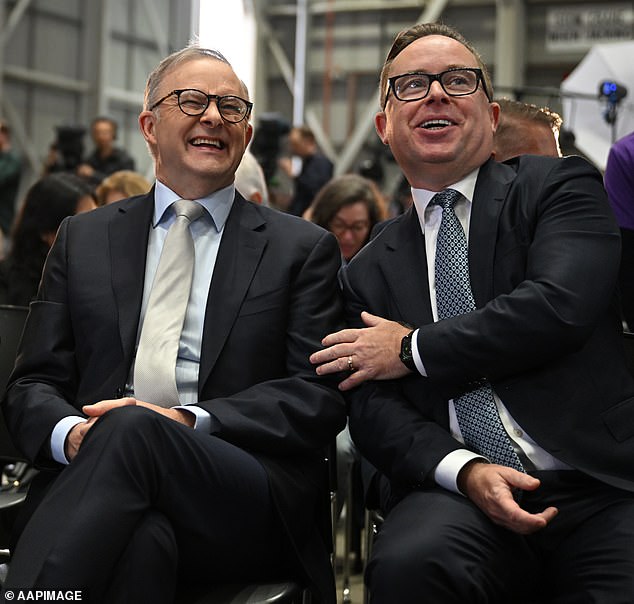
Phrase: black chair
[353,530]
[269,593]
[16,473]
[12,320]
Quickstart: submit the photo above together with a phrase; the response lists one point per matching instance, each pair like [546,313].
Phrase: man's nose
[212,113]
[436,90]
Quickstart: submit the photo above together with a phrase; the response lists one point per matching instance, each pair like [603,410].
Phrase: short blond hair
[127,182]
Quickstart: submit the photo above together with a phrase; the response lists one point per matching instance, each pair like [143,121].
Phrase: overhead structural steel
[92,88]
[364,126]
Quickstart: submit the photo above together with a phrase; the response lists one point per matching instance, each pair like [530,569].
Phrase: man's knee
[121,422]
[411,563]
[441,547]
[124,434]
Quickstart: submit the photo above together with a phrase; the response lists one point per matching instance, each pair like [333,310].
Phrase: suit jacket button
[119,393]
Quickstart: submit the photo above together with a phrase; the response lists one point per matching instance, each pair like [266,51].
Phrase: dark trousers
[146,504]
[437,547]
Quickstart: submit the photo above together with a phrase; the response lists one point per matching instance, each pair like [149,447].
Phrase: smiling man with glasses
[488,386]
[178,463]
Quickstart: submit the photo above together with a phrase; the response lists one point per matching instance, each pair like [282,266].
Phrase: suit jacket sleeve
[42,388]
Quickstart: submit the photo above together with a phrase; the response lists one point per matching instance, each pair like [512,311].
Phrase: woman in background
[47,203]
[120,185]
[349,206]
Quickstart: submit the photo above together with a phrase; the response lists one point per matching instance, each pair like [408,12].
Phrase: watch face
[406,352]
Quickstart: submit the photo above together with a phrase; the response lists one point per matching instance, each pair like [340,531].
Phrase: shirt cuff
[446,472]
[59,434]
[416,355]
[202,418]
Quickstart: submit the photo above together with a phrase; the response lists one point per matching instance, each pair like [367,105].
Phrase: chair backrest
[12,320]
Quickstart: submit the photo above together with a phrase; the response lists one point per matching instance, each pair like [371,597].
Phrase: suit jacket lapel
[494,180]
[243,243]
[128,234]
[404,266]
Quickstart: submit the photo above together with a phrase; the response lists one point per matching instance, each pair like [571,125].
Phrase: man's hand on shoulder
[491,486]
[370,353]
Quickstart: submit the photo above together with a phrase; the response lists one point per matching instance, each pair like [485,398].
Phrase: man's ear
[494,109]
[380,125]
[147,121]
[248,135]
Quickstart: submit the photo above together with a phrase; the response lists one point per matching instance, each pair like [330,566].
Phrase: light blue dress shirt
[207,233]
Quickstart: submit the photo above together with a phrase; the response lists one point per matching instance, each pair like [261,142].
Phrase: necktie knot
[446,199]
[188,208]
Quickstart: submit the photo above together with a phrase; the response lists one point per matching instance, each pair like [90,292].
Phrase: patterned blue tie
[477,414]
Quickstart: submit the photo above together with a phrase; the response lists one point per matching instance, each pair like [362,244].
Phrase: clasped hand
[95,411]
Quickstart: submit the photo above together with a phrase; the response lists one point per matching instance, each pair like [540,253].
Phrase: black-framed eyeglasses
[415,86]
[195,102]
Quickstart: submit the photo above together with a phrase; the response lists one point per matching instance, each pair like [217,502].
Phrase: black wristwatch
[406,352]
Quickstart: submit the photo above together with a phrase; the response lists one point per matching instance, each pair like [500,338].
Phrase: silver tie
[155,365]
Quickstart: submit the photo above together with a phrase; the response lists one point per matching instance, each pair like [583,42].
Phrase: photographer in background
[106,157]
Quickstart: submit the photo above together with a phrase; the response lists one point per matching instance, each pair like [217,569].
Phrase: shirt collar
[422,197]
[218,204]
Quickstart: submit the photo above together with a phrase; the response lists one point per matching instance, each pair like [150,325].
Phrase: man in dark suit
[228,484]
[467,520]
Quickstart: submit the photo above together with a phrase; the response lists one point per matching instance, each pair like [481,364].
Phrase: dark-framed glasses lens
[232,108]
[192,102]
[459,81]
[411,86]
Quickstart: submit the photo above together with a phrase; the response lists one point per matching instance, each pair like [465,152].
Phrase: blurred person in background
[316,169]
[47,203]
[10,169]
[348,206]
[120,185]
[250,180]
[106,158]
[524,129]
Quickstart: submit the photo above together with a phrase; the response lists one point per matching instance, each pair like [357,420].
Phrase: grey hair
[188,53]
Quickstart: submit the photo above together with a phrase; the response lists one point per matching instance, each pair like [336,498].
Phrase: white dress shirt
[207,233]
[430,216]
